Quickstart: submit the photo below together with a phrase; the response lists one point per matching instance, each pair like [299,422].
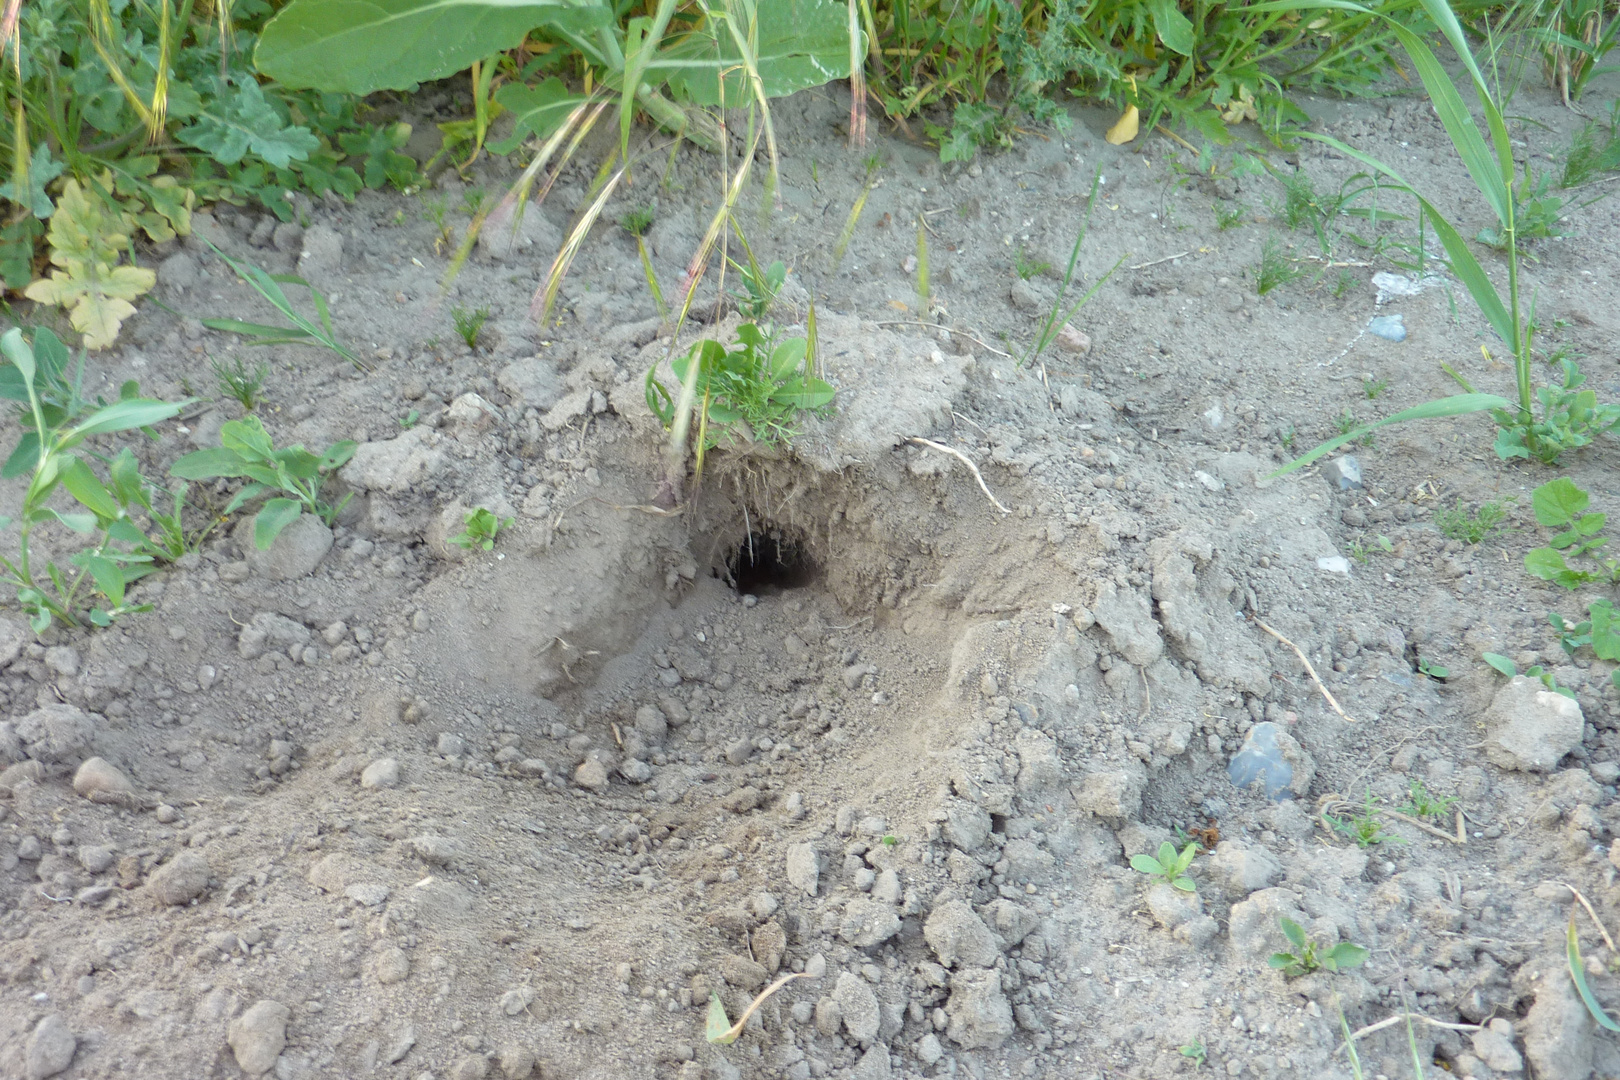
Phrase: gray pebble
[50,1047]
[451,745]
[258,1036]
[382,773]
[181,880]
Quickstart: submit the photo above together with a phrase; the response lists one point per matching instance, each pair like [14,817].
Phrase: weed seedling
[1195,1053]
[1026,267]
[1374,389]
[1170,866]
[302,331]
[890,840]
[1274,270]
[237,382]
[1428,667]
[1309,957]
[1511,670]
[469,324]
[1471,528]
[409,420]
[1364,828]
[245,450]
[1559,504]
[1343,284]
[1421,804]
[1229,217]
[436,210]
[482,526]
[636,222]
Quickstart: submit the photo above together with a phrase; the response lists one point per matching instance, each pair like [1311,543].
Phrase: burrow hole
[770,561]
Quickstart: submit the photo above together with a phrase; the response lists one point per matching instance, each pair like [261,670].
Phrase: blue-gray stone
[1388,327]
[1343,472]
[1260,758]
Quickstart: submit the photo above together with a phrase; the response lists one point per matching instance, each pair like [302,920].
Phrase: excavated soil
[408,811]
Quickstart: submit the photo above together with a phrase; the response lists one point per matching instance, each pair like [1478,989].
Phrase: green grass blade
[1350,1048]
[1456,405]
[1578,973]
[635,68]
[279,334]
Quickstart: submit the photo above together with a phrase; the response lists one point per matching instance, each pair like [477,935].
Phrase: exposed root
[1309,670]
[964,459]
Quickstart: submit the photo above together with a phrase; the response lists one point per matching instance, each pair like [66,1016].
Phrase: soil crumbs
[368,804]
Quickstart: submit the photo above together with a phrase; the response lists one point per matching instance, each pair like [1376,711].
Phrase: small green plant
[1559,504]
[246,450]
[1570,419]
[890,840]
[1058,317]
[1364,827]
[1343,285]
[1433,670]
[1195,1053]
[1230,217]
[1457,523]
[1374,388]
[482,526]
[1308,956]
[235,380]
[636,222]
[472,201]
[1511,670]
[469,324]
[1593,151]
[1360,551]
[302,331]
[409,420]
[1170,866]
[1026,267]
[752,390]
[56,421]
[1301,204]
[1286,436]
[437,211]
[1274,269]
[1420,803]
[1537,214]
[760,286]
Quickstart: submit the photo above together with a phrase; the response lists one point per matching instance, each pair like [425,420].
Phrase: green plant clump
[298,475]
[56,423]
[1559,504]
[1170,866]
[243,385]
[469,324]
[482,526]
[1308,956]
[1456,523]
[1365,827]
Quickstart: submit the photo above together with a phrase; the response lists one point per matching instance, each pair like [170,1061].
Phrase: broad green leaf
[247,495]
[1185,884]
[208,464]
[1347,954]
[803,393]
[24,456]
[274,516]
[1558,501]
[247,437]
[245,122]
[21,356]
[1174,28]
[787,358]
[106,573]
[79,523]
[87,487]
[358,46]
[1292,931]
[1279,960]
[1577,972]
[338,454]
[1549,565]
[799,44]
[42,169]
[1146,864]
[537,110]
[1455,405]
[124,415]
[717,1027]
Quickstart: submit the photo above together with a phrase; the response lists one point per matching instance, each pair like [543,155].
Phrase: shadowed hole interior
[766,563]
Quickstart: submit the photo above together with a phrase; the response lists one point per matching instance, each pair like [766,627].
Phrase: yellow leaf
[125,282]
[98,319]
[1240,108]
[1125,129]
[718,1028]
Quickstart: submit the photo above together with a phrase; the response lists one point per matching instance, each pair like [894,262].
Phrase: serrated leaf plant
[1169,866]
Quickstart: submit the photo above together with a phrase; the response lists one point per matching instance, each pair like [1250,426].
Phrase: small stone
[1274,758]
[181,880]
[470,1067]
[591,775]
[980,1016]
[1077,342]
[1343,473]
[743,973]
[367,893]
[1388,327]
[258,1036]
[966,825]
[1171,906]
[97,858]
[740,751]
[382,773]
[652,724]
[858,1007]
[928,1049]
[50,1047]
[399,1043]
[887,889]
[635,770]
[868,922]
[959,937]
[516,1061]
[451,745]
[56,733]
[296,551]
[515,1001]
[166,814]
[391,966]
[29,848]
[62,659]
[1494,1045]
[1531,728]
[803,868]
[99,780]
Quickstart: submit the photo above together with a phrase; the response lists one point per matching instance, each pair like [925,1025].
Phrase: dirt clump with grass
[893,704]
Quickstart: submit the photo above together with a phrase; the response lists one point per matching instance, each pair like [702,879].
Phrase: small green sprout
[1309,956]
[469,324]
[1196,1052]
[1169,866]
[1422,804]
[1364,828]
[482,528]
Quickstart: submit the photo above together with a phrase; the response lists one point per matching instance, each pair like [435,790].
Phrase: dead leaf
[1126,127]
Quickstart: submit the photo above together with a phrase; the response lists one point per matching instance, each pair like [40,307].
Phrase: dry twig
[1309,670]
[942,448]
[948,330]
[1588,906]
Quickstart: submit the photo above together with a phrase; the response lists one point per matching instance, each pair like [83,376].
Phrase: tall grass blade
[1577,972]
[857,80]
[1350,1048]
[847,233]
[746,38]
[636,61]
[652,279]
[540,309]
[922,265]
[1455,405]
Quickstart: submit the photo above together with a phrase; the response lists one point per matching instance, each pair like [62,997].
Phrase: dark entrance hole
[768,562]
